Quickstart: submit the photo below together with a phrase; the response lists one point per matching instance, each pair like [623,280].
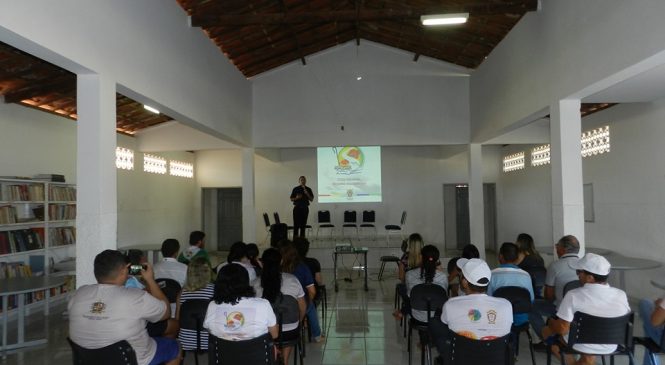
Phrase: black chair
[350,221]
[384,259]
[520,299]
[119,353]
[170,288]
[324,222]
[390,228]
[257,351]
[430,298]
[287,311]
[588,329]
[369,220]
[466,351]
[573,284]
[538,274]
[266,221]
[275,215]
[321,300]
[192,314]
[651,348]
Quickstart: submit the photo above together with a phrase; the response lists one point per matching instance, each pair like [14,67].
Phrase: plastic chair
[573,284]
[350,221]
[321,300]
[192,314]
[324,222]
[520,299]
[588,329]
[287,311]
[119,353]
[369,220]
[384,259]
[257,351]
[425,297]
[651,348]
[538,274]
[275,215]
[266,221]
[465,351]
[395,228]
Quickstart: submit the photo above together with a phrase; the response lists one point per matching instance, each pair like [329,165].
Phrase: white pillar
[248,205]
[97,211]
[567,181]
[476,206]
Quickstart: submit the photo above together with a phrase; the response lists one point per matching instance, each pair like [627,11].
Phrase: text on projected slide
[349,174]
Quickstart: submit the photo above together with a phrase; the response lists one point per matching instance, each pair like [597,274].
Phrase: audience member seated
[291,264]
[272,284]
[427,273]
[195,249]
[302,245]
[197,287]
[105,313]
[410,260]
[529,257]
[508,274]
[252,252]
[235,314]
[474,315]
[169,267]
[238,255]
[595,297]
[559,273]
[653,318]
[453,277]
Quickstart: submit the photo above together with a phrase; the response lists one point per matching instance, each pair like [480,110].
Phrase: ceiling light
[149,108]
[444,19]
[359,78]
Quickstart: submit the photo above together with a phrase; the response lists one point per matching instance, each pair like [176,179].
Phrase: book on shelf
[62,193]
[7,214]
[9,270]
[21,240]
[60,212]
[62,236]
[50,177]
[23,192]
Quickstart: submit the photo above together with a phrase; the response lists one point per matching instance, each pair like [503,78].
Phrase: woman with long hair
[197,286]
[275,283]
[528,256]
[235,314]
[428,273]
[410,260]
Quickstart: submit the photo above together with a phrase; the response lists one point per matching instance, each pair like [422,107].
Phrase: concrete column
[567,180]
[97,210]
[248,205]
[476,206]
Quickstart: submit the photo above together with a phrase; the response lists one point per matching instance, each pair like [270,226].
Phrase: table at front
[155,248]
[624,263]
[354,251]
[21,287]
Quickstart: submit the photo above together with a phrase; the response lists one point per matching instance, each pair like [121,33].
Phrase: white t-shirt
[413,278]
[600,300]
[559,273]
[478,316]
[290,286]
[248,319]
[103,314]
[170,268]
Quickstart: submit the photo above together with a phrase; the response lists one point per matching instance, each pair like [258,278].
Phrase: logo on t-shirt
[474,315]
[491,316]
[234,321]
[97,307]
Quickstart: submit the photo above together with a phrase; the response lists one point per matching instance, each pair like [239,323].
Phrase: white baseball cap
[592,263]
[475,271]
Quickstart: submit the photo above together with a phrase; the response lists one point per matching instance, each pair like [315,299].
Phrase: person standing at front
[301,195]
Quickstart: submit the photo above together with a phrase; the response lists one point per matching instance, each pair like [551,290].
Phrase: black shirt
[303,201]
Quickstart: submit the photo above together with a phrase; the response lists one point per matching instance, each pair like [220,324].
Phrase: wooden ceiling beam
[61,87]
[515,7]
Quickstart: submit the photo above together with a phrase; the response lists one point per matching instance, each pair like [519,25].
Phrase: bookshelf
[37,228]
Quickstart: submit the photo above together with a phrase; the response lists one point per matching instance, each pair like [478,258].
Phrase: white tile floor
[361,330]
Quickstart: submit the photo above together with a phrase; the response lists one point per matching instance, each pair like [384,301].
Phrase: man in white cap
[475,315]
[595,297]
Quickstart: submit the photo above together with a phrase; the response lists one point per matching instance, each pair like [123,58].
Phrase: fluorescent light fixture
[151,109]
[444,19]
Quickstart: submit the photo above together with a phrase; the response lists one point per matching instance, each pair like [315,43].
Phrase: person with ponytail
[429,272]
[273,284]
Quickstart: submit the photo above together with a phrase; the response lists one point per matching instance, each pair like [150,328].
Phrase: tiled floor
[360,330]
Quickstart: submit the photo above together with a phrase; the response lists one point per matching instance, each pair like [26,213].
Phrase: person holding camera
[107,312]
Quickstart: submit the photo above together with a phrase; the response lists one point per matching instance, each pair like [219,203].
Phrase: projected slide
[349,174]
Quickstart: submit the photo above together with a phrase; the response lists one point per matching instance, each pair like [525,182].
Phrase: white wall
[629,191]
[562,50]
[397,102]
[147,47]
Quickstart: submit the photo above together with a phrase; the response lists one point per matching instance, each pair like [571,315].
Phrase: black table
[349,250]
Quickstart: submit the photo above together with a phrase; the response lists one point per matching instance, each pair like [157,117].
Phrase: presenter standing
[301,196]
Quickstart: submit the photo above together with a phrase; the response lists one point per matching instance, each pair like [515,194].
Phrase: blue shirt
[304,276]
[511,275]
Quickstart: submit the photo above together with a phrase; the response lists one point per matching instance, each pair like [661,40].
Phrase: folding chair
[266,221]
[192,314]
[573,284]
[424,297]
[286,310]
[369,220]
[520,299]
[324,222]
[466,351]
[119,353]
[257,351]
[395,228]
[350,221]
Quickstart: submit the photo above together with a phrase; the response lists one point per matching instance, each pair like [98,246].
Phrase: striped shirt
[187,337]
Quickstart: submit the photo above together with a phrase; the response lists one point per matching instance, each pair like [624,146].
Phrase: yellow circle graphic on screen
[351,158]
